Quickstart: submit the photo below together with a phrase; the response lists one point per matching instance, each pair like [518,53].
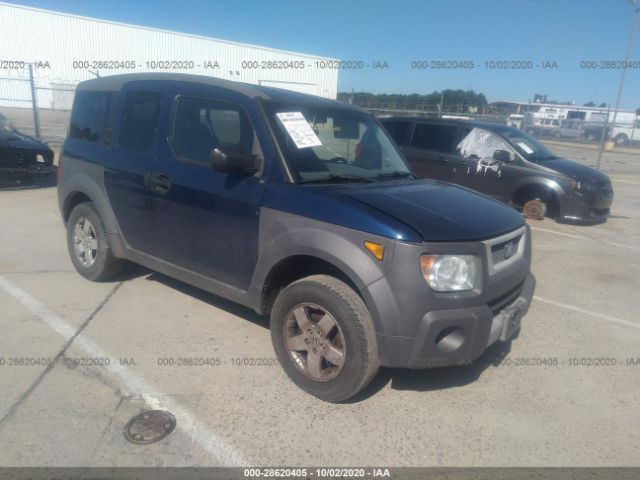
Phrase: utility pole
[635,4]
[34,103]
[603,137]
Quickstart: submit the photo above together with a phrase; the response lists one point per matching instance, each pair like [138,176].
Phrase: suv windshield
[527,146]
[334,144]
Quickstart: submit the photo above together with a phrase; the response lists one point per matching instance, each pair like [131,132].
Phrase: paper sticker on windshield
[525,147]
[299,130]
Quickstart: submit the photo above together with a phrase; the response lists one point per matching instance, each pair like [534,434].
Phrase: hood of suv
[18,141]
[574,170]
[437,210]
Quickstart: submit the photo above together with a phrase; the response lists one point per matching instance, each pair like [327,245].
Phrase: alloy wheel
[315,341]
[85,243]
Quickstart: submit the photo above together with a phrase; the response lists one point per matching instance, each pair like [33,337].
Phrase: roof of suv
[446,121]
[116,82]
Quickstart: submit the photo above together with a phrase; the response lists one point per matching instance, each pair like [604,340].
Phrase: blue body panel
[124,173]
[328,204]
[208,222]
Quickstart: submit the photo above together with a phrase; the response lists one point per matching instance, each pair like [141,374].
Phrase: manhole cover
[150,426]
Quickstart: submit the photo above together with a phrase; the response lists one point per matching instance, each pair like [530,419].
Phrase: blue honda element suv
[299,207]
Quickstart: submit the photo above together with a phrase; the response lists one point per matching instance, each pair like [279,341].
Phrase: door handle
[157,182]
[443,160]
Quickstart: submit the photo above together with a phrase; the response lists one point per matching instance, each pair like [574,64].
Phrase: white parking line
[613,179]
[587,312]
[587,237]
[557,233]
[205,438]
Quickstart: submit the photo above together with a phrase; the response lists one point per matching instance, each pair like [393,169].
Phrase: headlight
[449,273]
[586,187]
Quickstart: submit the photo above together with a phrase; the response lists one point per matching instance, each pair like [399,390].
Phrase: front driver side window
[482,144]
[200,125]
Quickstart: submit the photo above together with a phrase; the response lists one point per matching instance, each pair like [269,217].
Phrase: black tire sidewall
[104,260]
[353,375]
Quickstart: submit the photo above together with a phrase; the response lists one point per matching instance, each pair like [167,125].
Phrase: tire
[353,334]
[98,262]
[621,140]
[535,209]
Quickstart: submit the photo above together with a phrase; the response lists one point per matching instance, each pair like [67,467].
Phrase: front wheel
[324,337]
[535,209]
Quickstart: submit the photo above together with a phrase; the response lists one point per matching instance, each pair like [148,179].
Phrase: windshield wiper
[340,177]
[396,174]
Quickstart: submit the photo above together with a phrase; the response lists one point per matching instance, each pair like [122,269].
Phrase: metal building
[64,49]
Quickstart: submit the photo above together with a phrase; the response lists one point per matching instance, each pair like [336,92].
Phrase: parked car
[581,130]
[544,127]
[570,129]
[298,207]
[593,131]
[22,157]
[505,163]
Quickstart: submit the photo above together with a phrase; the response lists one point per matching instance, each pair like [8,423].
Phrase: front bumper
[587,208]
[36,170]
[419,328]
[458,336]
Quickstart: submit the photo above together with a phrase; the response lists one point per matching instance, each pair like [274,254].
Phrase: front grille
[505,250]
[505,299]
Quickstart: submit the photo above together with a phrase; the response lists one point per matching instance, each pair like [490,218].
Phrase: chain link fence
[39,106]
[35,104]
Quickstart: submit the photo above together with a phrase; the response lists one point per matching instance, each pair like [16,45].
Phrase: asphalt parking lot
[79,359]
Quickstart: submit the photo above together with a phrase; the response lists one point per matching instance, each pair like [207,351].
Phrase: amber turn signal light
[375,249]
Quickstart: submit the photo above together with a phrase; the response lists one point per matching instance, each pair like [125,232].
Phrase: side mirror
[232,162]
[502,156]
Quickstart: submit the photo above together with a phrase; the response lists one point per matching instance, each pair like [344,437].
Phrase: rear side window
[397,130]
[89,115]
[139,120]
[200,125]
[440,138]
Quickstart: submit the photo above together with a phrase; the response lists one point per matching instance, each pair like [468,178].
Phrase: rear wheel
[621,140]
[88,245]
[324,337]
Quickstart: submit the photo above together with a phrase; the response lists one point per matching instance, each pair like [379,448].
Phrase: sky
[560,34]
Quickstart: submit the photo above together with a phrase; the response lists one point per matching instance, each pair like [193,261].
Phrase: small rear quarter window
[89,115]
